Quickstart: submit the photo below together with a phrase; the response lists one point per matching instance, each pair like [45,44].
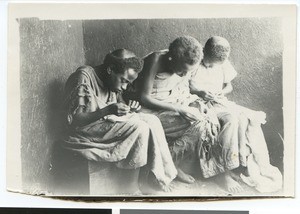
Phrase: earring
[108,70]
[170,58]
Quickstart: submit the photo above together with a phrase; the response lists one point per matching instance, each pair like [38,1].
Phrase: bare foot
[186,178]
[230,184]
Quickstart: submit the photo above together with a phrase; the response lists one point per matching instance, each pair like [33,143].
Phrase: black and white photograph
[117,105]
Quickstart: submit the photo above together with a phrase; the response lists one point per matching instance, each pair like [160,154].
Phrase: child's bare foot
[186,178]
[231,185]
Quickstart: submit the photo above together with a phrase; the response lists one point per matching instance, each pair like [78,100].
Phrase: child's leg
[228,138]
[244,148]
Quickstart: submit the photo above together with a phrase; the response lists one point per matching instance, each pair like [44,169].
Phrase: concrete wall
[50,52]
[256,55]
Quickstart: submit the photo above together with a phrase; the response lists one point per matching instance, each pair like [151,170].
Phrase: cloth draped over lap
[262,175]
[131,141]
[186,139]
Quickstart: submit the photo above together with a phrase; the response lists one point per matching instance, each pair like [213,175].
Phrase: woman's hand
[119,109]
[191,113]
[134,105]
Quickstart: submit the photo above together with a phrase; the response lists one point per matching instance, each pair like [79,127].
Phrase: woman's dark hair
[186,49]
[217,48]
[121,60]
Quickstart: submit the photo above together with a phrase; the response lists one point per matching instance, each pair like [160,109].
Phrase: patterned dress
[187,140]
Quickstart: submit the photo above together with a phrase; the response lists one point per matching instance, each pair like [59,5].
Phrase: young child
[241,141]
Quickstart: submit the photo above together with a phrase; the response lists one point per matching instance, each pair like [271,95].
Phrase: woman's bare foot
[166,188]
[186,178]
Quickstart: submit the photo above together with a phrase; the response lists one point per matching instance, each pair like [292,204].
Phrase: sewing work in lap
[163,90]
[185,138]
[241,142]
[124,140]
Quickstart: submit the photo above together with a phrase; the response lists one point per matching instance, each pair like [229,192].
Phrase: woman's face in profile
[120,81]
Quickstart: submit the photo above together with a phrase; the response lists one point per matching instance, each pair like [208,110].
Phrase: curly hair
[217,48]
[121,60]
[186,49]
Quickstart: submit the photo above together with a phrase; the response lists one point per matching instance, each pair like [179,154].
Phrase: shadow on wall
[56,118]
[68,171]
[265,96]
[273,129]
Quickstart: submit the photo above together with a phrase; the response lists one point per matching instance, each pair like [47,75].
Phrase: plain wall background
[52,50]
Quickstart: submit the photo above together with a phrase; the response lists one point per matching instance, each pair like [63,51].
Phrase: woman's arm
[151,67]
[84,118]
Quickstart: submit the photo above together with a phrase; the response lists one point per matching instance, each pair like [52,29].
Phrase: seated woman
[163,89]
[241,141]
[102,128]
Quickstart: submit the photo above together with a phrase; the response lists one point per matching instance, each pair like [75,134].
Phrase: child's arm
[194,89]
[227,88]
[206,95]
[229,74]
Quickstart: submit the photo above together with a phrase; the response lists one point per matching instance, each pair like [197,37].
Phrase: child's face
[181,69]
[210,63]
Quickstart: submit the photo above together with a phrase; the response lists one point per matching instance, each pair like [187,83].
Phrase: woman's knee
[140,131]
[140,125]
